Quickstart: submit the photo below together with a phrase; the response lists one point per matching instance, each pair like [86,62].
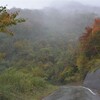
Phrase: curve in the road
[88,90]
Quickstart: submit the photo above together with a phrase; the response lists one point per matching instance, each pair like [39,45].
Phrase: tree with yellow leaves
[8,19]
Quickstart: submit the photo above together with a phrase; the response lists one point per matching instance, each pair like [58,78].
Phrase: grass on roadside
[18,85]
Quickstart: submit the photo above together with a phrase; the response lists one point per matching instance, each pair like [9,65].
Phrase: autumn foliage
[90,44]
[8,19]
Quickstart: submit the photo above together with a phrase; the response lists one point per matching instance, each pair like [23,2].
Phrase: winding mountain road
[73,93]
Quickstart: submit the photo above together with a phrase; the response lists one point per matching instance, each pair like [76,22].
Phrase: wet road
[73,93]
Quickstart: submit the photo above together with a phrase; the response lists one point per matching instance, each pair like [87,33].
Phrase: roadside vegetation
[31,65]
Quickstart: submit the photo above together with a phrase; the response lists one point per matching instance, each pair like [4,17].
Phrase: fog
[39,4]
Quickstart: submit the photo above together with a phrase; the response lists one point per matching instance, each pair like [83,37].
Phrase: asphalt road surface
[73,93]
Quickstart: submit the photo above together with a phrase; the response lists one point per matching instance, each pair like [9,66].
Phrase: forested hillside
[48,48]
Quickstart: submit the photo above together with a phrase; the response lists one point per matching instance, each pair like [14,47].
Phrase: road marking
[88,90]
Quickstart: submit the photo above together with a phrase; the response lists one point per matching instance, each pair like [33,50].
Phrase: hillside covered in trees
[48,48]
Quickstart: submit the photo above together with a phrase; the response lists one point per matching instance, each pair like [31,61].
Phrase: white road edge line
[88,90]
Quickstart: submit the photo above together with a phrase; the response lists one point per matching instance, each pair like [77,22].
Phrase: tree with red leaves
[90,40]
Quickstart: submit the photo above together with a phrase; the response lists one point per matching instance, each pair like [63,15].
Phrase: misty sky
[31,4]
